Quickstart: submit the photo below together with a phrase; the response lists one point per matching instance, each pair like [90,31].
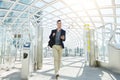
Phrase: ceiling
[73,13]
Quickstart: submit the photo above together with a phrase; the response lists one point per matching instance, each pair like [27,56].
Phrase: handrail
[113,32]
[114,46]
[112,36]
[104,25]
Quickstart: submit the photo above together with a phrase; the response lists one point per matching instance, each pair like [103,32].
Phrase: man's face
[59,24]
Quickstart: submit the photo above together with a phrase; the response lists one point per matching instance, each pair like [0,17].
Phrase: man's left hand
[62,37]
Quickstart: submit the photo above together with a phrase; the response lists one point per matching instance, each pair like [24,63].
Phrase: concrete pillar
[89,46]
[0,57]
[8,57]
[85,45]
[39,47]
[35,57]
[92,49]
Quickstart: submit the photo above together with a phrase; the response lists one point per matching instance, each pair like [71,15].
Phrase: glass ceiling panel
[108,19]
[93,13]
[62,11]
[44,19]
[44,23]
[19,20]
[118,20]
[13,14]
[26,1]
[49,21]
[2,13]
[44,13]
[1,19]
[63,16]
[49,16]
[32,10]
[49,9]
[58,5]
[88,4]
[77,19]
[57,13]
[24,15]
[104,2]
[77,7]
[72,2]
[65,10]
[96,19]
[72,15]
[118,26]
[9,20]
[12,0]
[69,21]
[106,11]
[117,1]
[83,13]
[81,25]
[85,19]
[48,1]
[118,11]
[15,25]
[55,19]
[5,5]
[19,7]
[39,13]
[40,4]
[37,16]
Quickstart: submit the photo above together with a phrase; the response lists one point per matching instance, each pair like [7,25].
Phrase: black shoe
[57,75]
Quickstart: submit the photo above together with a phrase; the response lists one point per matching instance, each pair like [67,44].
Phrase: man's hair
[58,21]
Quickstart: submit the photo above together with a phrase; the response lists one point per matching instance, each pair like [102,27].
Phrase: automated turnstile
[25,62]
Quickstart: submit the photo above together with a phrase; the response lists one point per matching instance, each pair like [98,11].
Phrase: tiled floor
[73,68]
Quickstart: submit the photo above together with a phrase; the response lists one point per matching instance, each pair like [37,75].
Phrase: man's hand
[62,37]
[53,34]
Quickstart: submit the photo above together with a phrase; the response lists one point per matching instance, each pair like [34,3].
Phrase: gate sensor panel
[25,55]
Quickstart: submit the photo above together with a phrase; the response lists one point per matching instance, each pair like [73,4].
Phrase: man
[57,37]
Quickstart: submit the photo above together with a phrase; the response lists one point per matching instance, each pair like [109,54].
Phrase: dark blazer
[52,38]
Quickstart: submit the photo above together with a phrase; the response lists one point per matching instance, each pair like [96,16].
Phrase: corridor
[73,68]
[87,30]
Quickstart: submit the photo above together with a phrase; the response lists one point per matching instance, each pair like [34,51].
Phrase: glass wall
[102,37]
[115,38]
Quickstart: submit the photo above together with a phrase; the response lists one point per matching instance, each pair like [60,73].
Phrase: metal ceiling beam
[28,8]
[41,9]
[114,13]
[10,10]
[98,9]
[73,12]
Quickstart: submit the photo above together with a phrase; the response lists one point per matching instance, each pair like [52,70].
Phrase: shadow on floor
[80,72]
[13,76]
[84,72]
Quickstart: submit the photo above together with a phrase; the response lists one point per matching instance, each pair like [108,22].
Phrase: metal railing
[111,42]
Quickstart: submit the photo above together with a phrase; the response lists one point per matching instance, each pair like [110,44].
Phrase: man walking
[57,37]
